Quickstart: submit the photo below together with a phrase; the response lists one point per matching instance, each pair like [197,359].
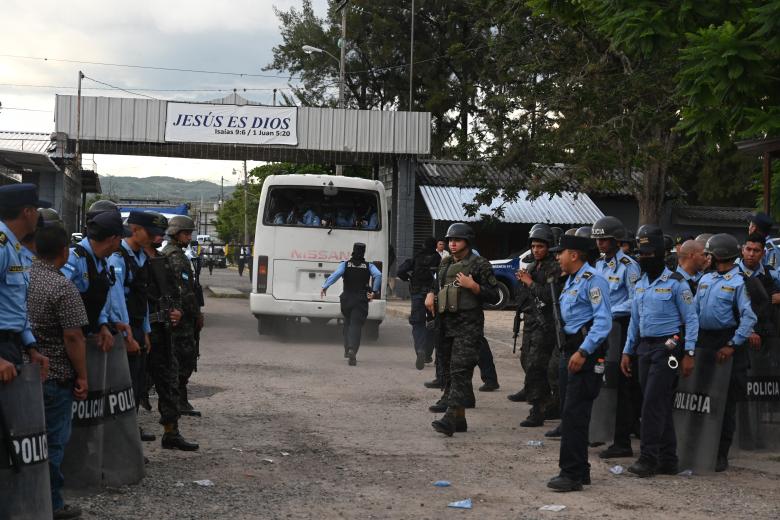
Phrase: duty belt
[10,336]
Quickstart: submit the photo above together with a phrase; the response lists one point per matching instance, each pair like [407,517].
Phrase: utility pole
[411,60]
[83,219]
[246,221]
[343,45]
[221,191]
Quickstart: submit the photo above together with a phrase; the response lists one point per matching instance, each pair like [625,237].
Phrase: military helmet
[584,232]
[703,237]
[570,231]
[541,232]
[101,206]
[608,227]
[462,231]
[49,217]
[668,243]
[557,234]
[647,230]
[722,247]
[179,223]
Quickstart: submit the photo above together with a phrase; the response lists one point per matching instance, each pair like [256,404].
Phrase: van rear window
[311,207]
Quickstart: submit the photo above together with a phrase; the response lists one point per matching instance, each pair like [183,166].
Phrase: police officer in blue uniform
[354,299]
[586,321]
[662,309]
[762,223]
[18,218]
[726,321]
[87,269]
[622,273]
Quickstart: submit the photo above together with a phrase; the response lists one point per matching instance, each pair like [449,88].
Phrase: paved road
[360,445]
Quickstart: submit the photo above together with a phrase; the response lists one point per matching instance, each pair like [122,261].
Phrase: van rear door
[301,280]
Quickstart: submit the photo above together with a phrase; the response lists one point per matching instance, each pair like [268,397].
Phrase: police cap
[722,247]
[154,222]
[20,196]
[608,227]
[49,217]
[104,225]
[762,221]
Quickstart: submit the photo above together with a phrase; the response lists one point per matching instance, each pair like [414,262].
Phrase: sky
[229,35]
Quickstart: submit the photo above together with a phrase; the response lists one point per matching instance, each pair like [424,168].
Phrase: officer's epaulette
[587,275]
[625,260]
[3,239]
[677,276]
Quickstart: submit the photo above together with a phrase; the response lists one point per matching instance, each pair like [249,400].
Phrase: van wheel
[372,330]
[503,298]
[265,324]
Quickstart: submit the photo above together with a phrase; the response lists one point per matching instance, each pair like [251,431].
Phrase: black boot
[564,484]
[185,408]
[535,418]
[352,358]
[446,424]
[146,436]
[554,433]
[552,410]
[174,441]
[439,407]
[519,397]
[722,463]
[433,384]
[461,426]
[420,363]
[643,468]
[489,387]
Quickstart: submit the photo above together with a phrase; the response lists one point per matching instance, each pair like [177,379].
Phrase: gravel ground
[290,431]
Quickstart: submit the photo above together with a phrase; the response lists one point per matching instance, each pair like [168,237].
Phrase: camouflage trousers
[460,341]
[163,366]
[535,354]
[186,355]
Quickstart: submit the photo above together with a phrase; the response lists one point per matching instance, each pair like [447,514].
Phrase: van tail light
[262,273]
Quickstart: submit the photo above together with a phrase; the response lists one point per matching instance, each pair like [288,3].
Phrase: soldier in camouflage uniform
[537,284]
[164,315]
[465,281]
[180,234]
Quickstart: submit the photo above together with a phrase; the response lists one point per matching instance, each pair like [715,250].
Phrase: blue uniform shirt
[118,309]
[76,271]
[376,274]
[621,273]
[660,309]
[13,286]
[584,299]
[717,300]
[27,257]
[772,272]
[688,277]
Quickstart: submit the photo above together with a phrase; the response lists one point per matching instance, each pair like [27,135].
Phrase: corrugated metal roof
[714,213]
[33,142]
[446,203]
[469,174]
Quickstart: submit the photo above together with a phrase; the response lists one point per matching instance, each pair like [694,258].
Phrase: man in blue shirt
[587,320]
[18,219]
[762,223]
[726,321]
[691,261]
[662,309]
[357,273]
[621,273]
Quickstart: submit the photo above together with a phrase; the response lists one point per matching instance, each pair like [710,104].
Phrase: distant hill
[169,188]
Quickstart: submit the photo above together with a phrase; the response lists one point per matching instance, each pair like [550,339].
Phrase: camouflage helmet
[101,206]
[49,217]
[179,223]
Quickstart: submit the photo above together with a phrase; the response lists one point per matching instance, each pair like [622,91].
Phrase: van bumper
[267,305]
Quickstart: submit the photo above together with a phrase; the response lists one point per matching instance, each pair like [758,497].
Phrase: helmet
[703,237]
[179,223]
[584,231]
[460,230]
[49,217]
[722,246]
[571,231]
[542,232]
[668,243]
[608,227]
[647,230]
[557,234]
[101,206]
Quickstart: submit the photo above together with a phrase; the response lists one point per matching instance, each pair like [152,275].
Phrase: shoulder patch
[595,296]
[625,261]
[633,277]
[3,239]
[687,296]
[587,275]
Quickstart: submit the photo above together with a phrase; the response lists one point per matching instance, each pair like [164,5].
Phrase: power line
[147,67]
[120,88]
[25,109]
[142,89]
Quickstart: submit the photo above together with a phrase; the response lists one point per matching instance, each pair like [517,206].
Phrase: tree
[230,217]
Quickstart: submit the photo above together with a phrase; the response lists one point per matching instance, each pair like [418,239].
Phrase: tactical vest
[422,273]
[452,297]
[136,298]
[96,295]
[356,277]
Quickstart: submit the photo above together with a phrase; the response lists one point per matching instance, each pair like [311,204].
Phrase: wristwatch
[691,352]
[583,353]
[730,344]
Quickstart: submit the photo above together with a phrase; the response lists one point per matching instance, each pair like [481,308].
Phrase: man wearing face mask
[357,274]
[662,309]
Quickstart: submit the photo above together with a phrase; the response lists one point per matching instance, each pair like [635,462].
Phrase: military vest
[452,297]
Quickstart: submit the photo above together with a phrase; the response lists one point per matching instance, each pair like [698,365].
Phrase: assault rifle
[556,316]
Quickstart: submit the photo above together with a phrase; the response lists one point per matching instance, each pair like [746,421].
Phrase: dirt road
[290,431]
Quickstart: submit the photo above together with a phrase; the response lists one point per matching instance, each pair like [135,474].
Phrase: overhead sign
[238,124]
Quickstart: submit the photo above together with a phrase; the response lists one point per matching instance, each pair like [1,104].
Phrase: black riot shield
[604,415]
[758,415]
[105,447]
[699,405]
[24,470]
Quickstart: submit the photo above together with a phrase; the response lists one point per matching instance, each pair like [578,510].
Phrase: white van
[306,225]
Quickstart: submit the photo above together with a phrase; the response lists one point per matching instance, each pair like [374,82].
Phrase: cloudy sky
[229,35]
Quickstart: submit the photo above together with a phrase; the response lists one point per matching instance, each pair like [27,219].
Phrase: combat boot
[174,441]
[535,417]
[436,383]
[519,397]
[439,407]
[352,358]
[446,424]
[461,425]
[185,408]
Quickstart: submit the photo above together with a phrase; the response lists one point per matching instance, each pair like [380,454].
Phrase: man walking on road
[356,296]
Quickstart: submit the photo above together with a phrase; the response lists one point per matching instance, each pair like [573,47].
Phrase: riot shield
[25,492]
[758,415]
[604,415]
[105,447]
[699,405]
